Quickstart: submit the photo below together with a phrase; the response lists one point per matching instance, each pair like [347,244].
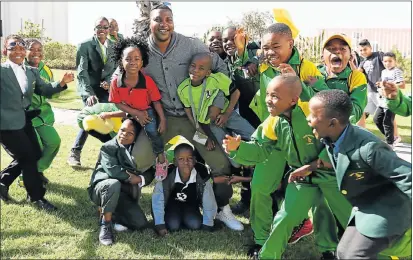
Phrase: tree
[255,23]
[33,30]
[141,25]
[404,63]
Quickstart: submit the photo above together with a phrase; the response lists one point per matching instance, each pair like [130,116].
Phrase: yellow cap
[340,36]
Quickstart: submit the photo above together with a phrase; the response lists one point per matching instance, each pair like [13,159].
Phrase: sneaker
[397,139]
[161,170]
[300,231]
[74,158]
[226,216]
[240,208]
[253,251]
[106,234]
[44,205]
[119,228]
[328,255]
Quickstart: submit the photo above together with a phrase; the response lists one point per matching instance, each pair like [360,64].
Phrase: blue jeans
[151,130]
[236,124]
[82,134]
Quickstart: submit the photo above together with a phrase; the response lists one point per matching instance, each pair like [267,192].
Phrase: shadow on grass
[27,250]
[83,215]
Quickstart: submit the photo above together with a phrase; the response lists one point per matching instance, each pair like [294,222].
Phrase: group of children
[286,83]
[265,115]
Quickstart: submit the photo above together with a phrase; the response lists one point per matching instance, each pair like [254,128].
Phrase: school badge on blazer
[357,175]
[309,139]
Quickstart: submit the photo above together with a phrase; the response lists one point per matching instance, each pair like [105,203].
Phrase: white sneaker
[226,216]
[397,139]
[119,228]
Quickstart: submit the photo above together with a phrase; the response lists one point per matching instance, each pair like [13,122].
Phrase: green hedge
[60,56]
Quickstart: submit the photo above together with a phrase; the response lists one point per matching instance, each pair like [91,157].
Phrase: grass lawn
[72,231]
[68,99]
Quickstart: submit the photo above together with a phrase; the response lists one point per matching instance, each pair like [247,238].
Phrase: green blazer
[14,101]
[113,162]
[376,182]
[91,70]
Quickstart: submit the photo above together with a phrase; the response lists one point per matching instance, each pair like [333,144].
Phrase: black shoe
[253,251]
[328,255]
[240,208]
[44,179]
[4,193]
[74,158]
[44,204]
[106,234]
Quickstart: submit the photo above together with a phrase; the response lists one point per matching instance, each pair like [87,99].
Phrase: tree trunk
[141,25]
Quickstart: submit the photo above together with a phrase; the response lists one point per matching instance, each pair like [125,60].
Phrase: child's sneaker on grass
[300,231]
[119,228]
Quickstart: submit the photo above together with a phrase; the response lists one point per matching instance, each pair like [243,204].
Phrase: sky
[198,17]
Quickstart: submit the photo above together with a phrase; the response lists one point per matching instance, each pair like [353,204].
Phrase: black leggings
[181,214]
[384,119]
[103,138]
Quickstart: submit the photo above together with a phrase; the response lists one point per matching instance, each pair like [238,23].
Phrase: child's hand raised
[240,40]
[231,143]
[67,78]
[390,90]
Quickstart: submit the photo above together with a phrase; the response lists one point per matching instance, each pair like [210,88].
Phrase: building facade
[53,16]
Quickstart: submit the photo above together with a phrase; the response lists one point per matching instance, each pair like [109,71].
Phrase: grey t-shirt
[169,69]
[372,67]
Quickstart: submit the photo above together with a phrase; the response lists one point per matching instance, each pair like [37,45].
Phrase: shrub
[60,56]
[62,64]
[405,64]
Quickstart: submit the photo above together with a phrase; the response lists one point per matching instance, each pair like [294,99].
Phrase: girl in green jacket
[43,124]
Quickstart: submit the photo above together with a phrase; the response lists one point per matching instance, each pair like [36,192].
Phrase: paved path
[65,116]
[68,117]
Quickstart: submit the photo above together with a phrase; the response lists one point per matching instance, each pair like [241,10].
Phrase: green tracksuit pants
[299,198]
[49,141]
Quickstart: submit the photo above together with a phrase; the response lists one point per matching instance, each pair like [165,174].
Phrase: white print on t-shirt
[181,197]
[368,66]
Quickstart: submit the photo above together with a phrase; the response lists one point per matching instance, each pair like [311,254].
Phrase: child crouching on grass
[176,200]
[137,94]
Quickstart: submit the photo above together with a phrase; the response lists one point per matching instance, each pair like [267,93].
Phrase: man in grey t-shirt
[169,57]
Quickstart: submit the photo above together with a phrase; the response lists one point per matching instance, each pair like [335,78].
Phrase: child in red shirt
[136,93]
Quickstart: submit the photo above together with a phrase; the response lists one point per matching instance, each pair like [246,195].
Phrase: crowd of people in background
[197,118]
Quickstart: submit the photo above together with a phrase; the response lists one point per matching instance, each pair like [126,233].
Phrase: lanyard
[200,101]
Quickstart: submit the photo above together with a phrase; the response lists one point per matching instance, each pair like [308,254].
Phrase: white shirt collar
[192,178]
[15,66]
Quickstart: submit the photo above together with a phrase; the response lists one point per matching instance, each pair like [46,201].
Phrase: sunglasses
[99,27]
[12,45]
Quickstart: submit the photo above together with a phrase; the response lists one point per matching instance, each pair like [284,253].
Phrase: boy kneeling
[176,199]
[115,185]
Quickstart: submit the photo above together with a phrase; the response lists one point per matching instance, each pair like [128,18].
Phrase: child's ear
[4,52]
[208,73]
[291,44]
[294,101]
